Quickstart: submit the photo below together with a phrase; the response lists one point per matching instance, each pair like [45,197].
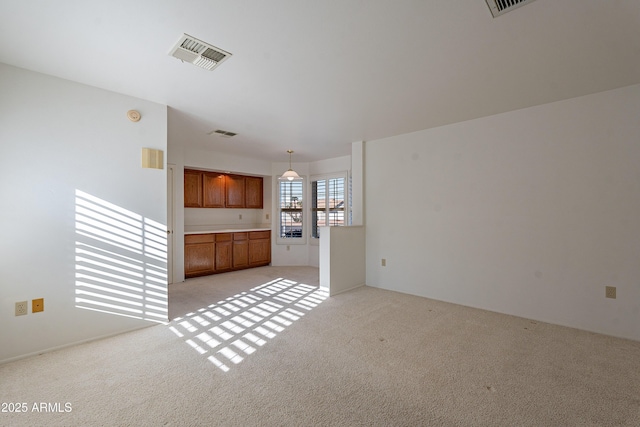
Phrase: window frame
[347,205]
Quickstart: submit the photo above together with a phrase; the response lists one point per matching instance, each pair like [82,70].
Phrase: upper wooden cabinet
[217,190]
[235,191]
[213,184]
[253,192]
[192,189]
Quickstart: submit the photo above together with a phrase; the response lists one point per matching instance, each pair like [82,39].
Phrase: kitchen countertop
[227,230]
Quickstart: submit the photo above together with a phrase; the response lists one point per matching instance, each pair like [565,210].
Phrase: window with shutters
[328,203]
[290,195]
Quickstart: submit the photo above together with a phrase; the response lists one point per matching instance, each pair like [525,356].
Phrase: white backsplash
[206,219]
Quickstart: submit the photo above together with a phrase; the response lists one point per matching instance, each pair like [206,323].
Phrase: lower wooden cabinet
[199,254]
[212,253]
[259,248]
[224,252]
[240,250]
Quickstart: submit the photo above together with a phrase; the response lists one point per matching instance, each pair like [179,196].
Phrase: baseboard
[344,290]
[48,350]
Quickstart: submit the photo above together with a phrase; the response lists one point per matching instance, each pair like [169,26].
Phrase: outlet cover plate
[37,305]
[610,292]
[21,308]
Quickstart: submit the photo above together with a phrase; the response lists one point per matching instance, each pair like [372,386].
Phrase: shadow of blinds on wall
[120,261]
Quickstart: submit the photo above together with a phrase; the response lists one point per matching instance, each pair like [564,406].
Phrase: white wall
[175,157]
[530,212]
[342,258]
[207,219]
[327,166]
[323,167]
[357,183]
[217,161]
[57,137]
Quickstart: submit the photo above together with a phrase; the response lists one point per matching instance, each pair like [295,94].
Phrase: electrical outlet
[267,216]
[384,262]
[240,216]
[288,247]
[37,305]
[21,308]
[610,292]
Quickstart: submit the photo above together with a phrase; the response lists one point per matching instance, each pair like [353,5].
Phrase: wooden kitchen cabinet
[213,190]
[192,188]
[199,255]
[213,253]
[203,189]
[224,252]
[253,192]
[259,248]
[234,191]
[240,250]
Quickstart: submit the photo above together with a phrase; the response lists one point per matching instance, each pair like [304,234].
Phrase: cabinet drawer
[240,236]
[223,237]
[198,238]
[253,235]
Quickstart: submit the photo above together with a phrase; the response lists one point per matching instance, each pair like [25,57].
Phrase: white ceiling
[316,76]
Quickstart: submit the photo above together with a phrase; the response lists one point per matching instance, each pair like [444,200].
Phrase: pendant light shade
[290,175]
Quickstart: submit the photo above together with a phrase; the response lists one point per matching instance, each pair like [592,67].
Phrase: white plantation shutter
[328,200]
[290,206]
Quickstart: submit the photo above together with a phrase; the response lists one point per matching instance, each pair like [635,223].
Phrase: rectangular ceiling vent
[199,53]
[222,133]
[500,7]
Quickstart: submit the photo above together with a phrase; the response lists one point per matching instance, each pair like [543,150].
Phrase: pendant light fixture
[290,175]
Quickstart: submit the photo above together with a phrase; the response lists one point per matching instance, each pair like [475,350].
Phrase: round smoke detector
[133,115]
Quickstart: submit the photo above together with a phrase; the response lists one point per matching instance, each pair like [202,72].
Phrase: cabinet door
[192,189]
[224,256]
[234,191]
[213,190]
[240,250]
[253,192]
[198,254]
[259,252]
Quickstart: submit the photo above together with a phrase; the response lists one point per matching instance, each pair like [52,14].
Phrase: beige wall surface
[82,219]
[530,213]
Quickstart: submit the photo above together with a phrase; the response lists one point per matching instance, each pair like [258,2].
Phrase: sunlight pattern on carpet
[228,331]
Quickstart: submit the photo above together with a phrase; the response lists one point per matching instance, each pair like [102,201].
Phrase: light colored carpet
[290,357]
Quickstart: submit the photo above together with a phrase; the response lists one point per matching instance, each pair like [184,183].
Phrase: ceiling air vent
[199,53]
[222,133]
[500,7]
